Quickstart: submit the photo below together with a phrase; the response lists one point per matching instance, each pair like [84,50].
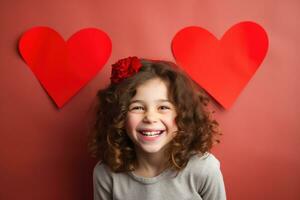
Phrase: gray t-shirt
[201,179]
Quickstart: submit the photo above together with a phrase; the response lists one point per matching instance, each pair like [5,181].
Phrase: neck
[150,165]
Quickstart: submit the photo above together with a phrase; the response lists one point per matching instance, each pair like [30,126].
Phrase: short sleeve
[102,182]
[213,184]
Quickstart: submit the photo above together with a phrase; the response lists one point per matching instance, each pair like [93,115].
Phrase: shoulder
[101,169]
[102,182]
[204,168]
[102,174]
[207,176]
[205,162]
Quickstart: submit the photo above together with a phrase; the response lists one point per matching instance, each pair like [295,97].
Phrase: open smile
[151,132]
[150,135]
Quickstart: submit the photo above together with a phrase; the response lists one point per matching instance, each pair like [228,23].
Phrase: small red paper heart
[222,67]
[63,68]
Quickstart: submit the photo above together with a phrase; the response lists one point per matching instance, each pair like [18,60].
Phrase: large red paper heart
[222,67]
[63,68]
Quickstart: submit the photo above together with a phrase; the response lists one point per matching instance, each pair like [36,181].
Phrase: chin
[151,149]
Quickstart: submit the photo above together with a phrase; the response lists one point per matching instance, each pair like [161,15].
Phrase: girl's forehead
[153,89]
[152,84]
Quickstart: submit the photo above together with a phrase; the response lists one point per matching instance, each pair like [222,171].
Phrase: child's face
[151,117]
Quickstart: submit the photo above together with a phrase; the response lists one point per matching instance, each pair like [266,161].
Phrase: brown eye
[164,107]
[137,108]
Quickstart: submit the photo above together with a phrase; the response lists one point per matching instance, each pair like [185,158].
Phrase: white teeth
[151,133]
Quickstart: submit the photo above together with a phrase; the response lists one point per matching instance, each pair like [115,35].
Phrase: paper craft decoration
[63,68]
[222,67]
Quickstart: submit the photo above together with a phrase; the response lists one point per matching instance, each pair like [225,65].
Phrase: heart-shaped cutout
[222,67]
[64,67]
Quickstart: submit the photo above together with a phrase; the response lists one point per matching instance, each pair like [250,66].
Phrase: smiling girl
[153,136]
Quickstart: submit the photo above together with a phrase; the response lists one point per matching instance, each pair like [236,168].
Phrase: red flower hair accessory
[125,68]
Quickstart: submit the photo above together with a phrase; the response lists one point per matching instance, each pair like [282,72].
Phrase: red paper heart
[63,68]
[222,67]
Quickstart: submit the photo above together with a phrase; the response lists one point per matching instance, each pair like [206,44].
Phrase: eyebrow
[158,100]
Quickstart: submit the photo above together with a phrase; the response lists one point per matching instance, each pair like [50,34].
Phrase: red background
[43,150]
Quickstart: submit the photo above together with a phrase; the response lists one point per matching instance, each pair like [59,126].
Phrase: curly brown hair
[196,130]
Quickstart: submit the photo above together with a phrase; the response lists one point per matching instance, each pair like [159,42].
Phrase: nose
[150,117]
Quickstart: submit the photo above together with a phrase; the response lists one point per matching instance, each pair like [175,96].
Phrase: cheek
[174,125]
[171,123]
[132,122]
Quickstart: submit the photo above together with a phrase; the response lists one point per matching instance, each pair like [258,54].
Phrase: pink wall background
[43,150]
